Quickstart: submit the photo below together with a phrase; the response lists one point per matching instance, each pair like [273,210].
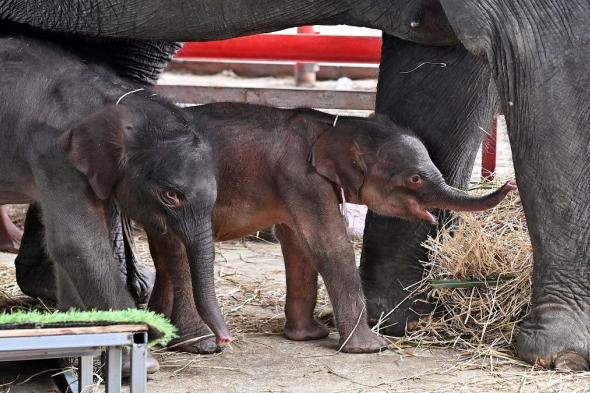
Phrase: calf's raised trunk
[447,197]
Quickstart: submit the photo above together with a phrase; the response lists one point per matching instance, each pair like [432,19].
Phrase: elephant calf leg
[302,288]
[10,235]
[173,296]
[324,242]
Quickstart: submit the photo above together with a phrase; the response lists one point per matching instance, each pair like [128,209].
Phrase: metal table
[84,343]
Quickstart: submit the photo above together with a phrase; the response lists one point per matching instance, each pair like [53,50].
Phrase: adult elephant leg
[445,95]
[543,79]
[139,279]
[36,271]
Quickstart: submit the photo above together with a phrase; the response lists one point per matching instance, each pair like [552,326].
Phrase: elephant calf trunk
[453,199]
[201,258]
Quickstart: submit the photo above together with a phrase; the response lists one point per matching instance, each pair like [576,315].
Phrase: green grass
[164,330]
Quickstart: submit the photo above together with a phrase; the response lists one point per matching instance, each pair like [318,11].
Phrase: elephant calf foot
[556,338]
[363,342]
[203,346]
[305,330]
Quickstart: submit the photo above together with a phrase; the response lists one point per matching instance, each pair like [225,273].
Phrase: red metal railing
[312,48]
[315,48]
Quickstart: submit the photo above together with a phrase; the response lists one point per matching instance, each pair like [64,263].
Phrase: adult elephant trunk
[450,198]
[201,256]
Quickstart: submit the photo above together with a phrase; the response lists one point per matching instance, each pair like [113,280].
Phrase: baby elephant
[291,169]
[73,137]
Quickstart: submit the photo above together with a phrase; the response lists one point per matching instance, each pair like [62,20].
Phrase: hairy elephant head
[388,168]
[146,154]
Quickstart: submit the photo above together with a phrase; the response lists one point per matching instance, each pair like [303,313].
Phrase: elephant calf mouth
[420,212]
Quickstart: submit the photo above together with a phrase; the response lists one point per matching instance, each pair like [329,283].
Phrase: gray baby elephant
[73,138]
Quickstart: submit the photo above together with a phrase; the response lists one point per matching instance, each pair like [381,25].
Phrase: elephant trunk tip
[457,200]
[508,187]
[224,340]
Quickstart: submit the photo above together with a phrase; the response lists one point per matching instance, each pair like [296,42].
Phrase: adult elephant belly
[446,96]
[542,73]
[136,38]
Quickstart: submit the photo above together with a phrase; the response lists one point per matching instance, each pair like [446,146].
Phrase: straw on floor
[479,277]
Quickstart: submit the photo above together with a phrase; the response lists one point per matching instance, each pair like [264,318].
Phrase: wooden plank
[327,71]
[284,98]
[72,330]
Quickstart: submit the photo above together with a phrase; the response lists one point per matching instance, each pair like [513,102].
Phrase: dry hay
[479,278]
[11,297]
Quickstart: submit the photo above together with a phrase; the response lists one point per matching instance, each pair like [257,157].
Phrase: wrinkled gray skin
[422,100]
[136,38]
[70,148]
[538,53]
[513,37]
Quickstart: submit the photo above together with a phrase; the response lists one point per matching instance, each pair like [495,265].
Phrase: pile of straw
[479,277]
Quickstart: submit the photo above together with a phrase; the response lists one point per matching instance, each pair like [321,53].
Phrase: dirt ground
[250,282]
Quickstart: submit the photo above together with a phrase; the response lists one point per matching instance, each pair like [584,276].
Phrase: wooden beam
[284,98]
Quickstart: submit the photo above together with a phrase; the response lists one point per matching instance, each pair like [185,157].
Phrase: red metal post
[305,73]
[289,47]
[488,152]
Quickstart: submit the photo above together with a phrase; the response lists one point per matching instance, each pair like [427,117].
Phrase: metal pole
[488,152]
[85,372]
[138,358]
[113,368]
[305,73]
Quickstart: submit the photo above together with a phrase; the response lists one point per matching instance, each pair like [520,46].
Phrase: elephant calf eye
[170,198]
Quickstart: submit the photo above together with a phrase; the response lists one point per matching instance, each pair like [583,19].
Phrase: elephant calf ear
[337,157]
[95,147]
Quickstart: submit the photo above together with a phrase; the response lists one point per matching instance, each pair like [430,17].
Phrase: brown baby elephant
[291,169]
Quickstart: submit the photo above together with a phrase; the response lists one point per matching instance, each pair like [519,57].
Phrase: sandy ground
[250,282]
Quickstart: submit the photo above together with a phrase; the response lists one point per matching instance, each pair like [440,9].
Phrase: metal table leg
[85,372]
[138,358]
[113,370]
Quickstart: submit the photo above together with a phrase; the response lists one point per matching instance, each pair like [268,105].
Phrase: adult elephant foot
[556,337]
[413,90]
[305,330]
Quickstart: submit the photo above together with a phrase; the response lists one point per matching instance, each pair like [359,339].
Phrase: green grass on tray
[157,323]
